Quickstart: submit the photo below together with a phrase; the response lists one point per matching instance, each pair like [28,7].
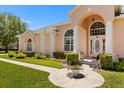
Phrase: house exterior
[92,29]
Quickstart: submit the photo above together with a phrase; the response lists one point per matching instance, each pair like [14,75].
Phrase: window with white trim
[98,28]
[29,45]
[122,9]
[68,40]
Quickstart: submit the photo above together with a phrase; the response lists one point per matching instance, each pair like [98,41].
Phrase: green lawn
[15,76]
[113,79]
[2,52]
[49,63]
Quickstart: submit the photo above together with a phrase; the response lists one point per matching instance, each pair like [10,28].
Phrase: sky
[39,16]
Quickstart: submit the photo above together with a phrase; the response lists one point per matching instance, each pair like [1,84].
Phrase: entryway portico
[95,32]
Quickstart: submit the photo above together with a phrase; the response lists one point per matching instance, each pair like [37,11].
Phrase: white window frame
[31,45]
[70,45]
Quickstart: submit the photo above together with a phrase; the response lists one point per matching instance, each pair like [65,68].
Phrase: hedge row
[107,63]
[62,55]
[23,55]
[59,55]
[16,55]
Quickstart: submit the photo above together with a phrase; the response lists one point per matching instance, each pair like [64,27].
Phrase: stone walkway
[59,76]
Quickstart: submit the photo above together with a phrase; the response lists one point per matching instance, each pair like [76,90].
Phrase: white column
[109,38]
[52,43]
[33,45]
[43,42]
[76,38]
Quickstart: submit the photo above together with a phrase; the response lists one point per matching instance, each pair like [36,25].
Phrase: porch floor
[93,63]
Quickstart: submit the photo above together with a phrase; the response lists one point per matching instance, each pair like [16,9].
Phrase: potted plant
[74,63]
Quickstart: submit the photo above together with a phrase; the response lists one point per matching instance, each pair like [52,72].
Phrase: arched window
[68,40]
[98,28]
[29,45]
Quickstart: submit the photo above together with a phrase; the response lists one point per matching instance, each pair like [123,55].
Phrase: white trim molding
[63,38]
[109,37]
[52,42]
[92,37]
[33,44]
[42,42]
[76,30]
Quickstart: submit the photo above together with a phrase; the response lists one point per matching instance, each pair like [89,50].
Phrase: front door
[97,46]
[97,39]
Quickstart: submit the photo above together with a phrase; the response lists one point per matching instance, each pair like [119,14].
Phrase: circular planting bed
[87,78]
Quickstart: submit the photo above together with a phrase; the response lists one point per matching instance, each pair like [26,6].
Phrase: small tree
[10,27]
[74,63]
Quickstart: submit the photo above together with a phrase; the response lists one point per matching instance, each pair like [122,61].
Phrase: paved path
[38,67]
[91,79]
[59,76]
[3,54]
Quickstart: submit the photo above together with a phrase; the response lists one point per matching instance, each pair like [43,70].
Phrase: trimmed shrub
[59,55]
[20,55]
[29,54]
[40,56]
[106,61]
[47,55]
[119,66]
[72,59]
[120,59]
[11,54]
[66,53]
[106,57]
[43,57]
[107,65]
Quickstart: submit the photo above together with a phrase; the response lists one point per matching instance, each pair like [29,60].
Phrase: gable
[82,11]
[28,33]
[74,10]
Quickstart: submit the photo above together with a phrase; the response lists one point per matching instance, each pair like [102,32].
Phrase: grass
[113,79]
[27,77]
[15,76]
[47,62]
[2,52]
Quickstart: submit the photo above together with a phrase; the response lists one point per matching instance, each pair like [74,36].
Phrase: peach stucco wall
[118,37]
[35,40]
[106,11]
[23,41]
[60,36]
[37,45]
[82,40]
[58,46]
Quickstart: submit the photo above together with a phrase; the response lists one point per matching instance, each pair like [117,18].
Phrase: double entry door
[97,45]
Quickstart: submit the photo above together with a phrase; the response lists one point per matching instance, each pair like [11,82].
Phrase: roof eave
[75,9]
[62,23]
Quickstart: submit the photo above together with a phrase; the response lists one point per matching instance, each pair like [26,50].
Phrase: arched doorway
[29,45]
[91,28]
[97,38]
